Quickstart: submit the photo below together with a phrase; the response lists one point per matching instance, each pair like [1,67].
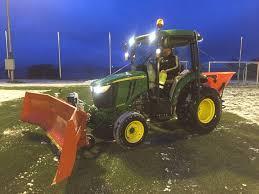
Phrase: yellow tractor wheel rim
[134,132]
[206,110]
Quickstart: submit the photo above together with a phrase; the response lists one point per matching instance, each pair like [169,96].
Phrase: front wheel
[130,129]
[206,113]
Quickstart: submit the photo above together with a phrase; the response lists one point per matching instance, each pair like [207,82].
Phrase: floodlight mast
[110,53]
[7,53]
[9,41]
[10,66]
[59,57]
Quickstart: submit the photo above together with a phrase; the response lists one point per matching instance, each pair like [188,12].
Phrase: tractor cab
[158,55]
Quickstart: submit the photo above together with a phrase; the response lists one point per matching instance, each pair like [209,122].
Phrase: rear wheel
[130,129]
[206,113]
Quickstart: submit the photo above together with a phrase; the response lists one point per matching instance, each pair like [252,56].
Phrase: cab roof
[173,38]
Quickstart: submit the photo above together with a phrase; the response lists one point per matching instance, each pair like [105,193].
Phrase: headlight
[131,41]
[100,89]
[152,37]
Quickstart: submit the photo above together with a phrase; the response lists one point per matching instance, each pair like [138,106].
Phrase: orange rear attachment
[218,80]
[64,125]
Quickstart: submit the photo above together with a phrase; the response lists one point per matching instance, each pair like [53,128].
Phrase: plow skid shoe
[218,80]
[63,124]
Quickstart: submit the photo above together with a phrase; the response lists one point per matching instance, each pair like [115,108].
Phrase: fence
[247,71]
[80,60]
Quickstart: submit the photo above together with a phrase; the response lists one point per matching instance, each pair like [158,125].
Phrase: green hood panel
[120,77]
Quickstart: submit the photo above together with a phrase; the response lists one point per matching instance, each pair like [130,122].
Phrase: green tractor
[124,102]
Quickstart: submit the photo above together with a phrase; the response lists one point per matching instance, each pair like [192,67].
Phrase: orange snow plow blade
[63,124]
[218,80]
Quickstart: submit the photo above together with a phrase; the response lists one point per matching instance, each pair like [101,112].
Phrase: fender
[180,82]
[215,80]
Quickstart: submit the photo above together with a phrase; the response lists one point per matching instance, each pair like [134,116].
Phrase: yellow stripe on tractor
[130,78]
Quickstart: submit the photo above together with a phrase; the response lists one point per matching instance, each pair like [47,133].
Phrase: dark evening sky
[84,27]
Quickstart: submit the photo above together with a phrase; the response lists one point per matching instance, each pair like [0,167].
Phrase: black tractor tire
[122,128]
[212,108]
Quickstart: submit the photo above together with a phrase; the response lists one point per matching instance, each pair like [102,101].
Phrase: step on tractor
[157,87]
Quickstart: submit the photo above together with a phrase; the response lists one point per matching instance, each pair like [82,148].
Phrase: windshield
[142,53]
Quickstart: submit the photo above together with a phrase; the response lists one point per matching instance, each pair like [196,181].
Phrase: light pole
[6,44]
[7,53]
[9,41]
[59,57]
[9,61]
[110,53]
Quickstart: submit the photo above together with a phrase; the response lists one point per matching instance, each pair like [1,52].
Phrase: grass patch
[226,160]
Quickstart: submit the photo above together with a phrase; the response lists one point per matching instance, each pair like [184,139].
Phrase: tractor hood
[120,77]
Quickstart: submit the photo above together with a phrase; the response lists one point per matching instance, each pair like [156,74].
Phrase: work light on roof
[126,56]
[159,23]
[152,37]
[132,41]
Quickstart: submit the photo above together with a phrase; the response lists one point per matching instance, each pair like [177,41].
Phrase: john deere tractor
[157,88]
[125,101]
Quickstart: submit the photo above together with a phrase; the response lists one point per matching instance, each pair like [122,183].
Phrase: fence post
[246,73]
[257,74]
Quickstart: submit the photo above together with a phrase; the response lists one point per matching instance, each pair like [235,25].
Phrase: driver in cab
[169,67]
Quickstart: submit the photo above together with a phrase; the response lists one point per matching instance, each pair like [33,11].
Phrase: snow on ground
[243,101]
[49,83]
[7,95]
